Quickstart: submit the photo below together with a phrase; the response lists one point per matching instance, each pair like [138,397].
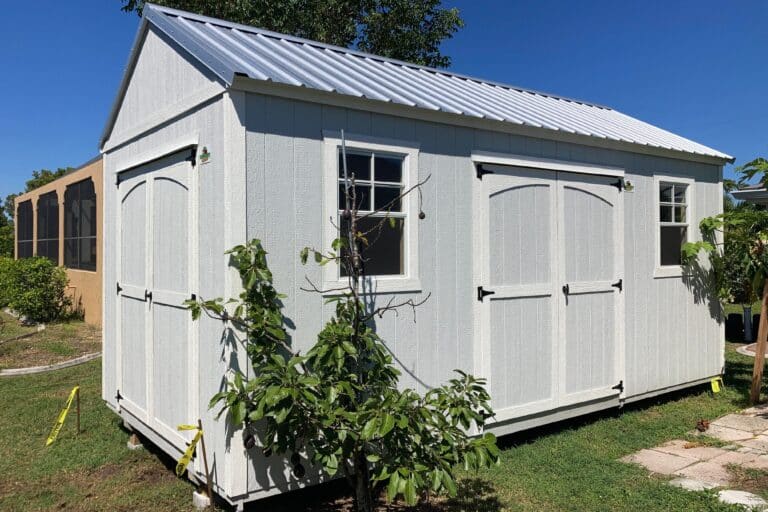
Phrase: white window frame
[662,271]
[409,280]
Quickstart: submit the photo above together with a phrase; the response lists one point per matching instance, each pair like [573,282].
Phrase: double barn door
[550,289]
[155,255]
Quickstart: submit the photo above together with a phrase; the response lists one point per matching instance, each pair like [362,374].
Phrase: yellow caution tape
[181,466]
[62,416]
[717,384]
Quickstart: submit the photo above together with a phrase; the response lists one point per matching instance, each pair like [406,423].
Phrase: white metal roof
[229,49]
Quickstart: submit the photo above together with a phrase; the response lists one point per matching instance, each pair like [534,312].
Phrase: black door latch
[566,289]
[482,293]
[619,284]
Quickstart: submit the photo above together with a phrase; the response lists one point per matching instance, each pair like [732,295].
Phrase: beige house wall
[84,286]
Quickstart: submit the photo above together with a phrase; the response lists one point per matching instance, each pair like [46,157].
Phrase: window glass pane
[24,249]
[387,168]
[680,214]
[387,197]
[70,253]
[383,254]
[357,164]
[362,197]
[87,254]
[680,193]
[24,216]
[665,193]
[665,213]
[672,240]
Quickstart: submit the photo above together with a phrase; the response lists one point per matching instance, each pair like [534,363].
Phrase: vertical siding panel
[428,347]
[309,219]
[463,171]
[359,122]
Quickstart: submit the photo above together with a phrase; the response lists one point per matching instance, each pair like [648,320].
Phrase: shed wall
[204,124]
[672,336]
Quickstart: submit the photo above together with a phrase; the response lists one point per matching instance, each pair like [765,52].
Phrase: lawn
[569,466]
[58,342]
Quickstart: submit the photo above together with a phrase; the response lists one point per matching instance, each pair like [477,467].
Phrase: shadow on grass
[473,494]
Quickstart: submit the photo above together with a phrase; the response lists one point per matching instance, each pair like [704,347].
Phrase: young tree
[339,404]
[739,263]
[410,30]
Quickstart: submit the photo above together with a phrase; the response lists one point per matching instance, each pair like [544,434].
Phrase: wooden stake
[762,338]
[78,409]
[208,482]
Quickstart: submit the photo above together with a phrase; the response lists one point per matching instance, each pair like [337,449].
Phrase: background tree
[736,243]
[409,30]
[340,404]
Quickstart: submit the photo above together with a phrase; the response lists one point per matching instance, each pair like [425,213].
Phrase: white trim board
[505,159]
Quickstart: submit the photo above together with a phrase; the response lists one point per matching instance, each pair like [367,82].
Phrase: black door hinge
[619,284]
[481,294]
[118,287]
[193,156]
[619,185]
[147,295]
[118,396]
[481,171]
[619,386]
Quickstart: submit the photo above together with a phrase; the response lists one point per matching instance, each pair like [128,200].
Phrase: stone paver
[739,458]
[757,444]
[727,433]
[707,472]
[746,499]
[689,484]
[760,462]
[678,447]
[743,422]
[659,462]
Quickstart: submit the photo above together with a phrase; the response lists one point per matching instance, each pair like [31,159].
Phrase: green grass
[737,308]
[569,466]
[58,342]
[11,328]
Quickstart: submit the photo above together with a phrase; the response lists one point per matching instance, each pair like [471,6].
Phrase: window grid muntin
[76,197]
[47,243]
[673,204]
[373,183]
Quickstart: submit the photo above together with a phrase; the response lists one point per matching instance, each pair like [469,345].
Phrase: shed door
[156,271]
[551,252]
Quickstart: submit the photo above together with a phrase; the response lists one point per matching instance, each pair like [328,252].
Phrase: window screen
[80,226]
[673,220]
[378,187]
[25,230]
[48,226]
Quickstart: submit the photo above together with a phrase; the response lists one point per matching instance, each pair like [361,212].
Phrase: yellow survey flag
[181,466]
[62,416]
[717,383]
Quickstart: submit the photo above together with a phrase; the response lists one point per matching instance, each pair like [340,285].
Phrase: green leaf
[369,429]
[303,255]
[387,425]
[394,483]
[410,492]
[238,413]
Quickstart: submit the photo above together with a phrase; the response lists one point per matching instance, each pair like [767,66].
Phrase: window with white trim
[674,221]
[378,185]
[383,170]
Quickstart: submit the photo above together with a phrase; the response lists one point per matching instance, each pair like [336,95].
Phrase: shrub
[34,288]
[6,277]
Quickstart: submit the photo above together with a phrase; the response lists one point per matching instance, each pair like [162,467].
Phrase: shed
[551,241]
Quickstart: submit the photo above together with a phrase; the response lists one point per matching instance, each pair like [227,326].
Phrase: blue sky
[694,67]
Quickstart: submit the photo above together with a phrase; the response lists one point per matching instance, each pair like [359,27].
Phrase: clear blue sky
[695,67]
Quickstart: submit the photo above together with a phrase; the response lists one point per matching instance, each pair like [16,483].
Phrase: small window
[80,226]
[48,226]
[378,185]
[25,230]
[673,222]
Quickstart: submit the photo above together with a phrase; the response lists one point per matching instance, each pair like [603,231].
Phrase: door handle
[566,289]
[481,294]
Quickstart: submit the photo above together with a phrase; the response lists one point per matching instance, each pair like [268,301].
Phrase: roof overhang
[752,195]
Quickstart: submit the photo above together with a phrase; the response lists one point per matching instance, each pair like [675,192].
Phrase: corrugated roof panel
[230,49]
